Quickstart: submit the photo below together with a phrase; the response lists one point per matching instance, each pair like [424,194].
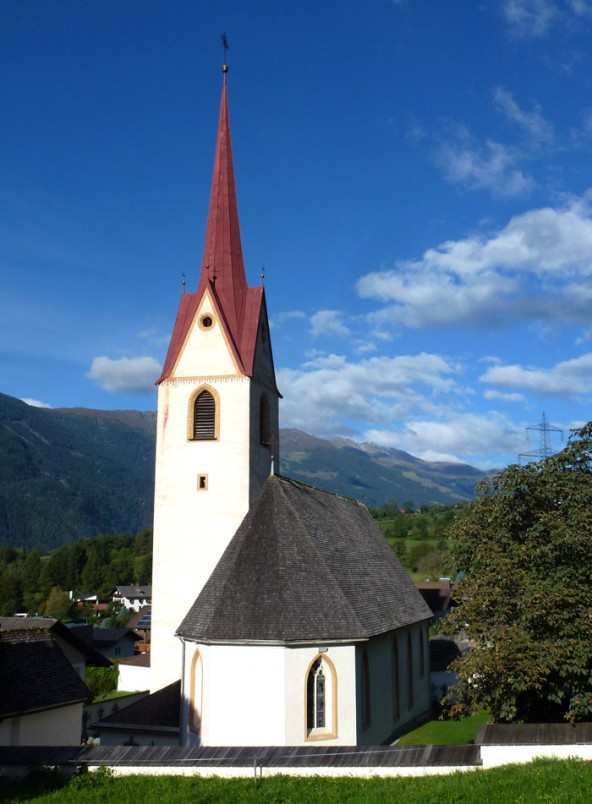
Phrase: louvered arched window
[204,417]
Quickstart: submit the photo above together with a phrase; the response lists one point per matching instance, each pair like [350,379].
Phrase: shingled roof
[35,674]
[304,565]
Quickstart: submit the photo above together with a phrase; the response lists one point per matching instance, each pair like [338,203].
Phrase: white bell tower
[217,431]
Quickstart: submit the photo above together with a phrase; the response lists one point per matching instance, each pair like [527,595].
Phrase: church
[286,614]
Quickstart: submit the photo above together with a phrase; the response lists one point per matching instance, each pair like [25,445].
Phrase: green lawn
[445,732]
[543,780]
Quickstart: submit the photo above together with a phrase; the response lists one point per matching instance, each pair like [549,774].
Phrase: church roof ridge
[305,565]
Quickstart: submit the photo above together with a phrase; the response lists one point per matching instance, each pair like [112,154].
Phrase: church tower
[217,431]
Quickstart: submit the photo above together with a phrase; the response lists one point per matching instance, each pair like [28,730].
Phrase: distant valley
[74,472]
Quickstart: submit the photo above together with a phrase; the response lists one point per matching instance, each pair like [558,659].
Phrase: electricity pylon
[545,449]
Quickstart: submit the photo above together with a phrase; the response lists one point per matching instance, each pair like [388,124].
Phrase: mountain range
[68,473]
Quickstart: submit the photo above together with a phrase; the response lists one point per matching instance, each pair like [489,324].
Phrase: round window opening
[207,321]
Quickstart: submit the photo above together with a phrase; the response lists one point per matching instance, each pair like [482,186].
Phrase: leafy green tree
[30,572]
[10,593]
[57,604]
[417,553]
[525,547]
[436,564]
[58,570]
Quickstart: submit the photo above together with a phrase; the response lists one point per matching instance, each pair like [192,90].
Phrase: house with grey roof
[132,597]
[42,689]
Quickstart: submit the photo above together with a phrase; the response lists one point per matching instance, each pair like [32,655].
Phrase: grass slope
[543,780]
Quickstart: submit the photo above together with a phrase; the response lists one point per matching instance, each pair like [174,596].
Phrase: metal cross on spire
[226,47]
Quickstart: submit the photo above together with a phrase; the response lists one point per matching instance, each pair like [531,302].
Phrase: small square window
[202,482]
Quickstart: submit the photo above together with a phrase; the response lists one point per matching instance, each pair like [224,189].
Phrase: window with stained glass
[316,697]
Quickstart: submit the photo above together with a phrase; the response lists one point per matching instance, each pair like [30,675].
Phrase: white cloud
[492,167]
[154,337]
[127,374]
[532,269]
[460,437]
[532,19]
[35,403]
[504,397]
[328,322]
[532,122]
[282,318]
[581,8]
[568,378]
[529,19]
[329,395]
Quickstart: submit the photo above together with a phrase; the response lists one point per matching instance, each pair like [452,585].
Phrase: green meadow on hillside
[543,780]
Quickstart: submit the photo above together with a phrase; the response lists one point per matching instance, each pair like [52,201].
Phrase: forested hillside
[66,474]
[40,584]
[72,473]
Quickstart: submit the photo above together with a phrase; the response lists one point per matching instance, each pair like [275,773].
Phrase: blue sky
[414,175]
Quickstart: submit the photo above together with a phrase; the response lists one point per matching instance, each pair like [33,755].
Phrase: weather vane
[183,282]
[226,47]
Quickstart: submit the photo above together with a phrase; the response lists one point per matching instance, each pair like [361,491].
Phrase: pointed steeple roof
[222,265]
[239,307]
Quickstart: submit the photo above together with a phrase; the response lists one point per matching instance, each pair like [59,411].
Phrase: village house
[132,597]
[42,689]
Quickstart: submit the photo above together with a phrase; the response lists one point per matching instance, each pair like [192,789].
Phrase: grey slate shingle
[35,674]
[304,565]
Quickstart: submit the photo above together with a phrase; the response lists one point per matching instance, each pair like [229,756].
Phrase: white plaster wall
[261,455]
[341,771]
[297,663]
[382,687]
[243,694]
[495,755]
[192,528]
[206,351]
[132,678]
[256,695]
[59,726]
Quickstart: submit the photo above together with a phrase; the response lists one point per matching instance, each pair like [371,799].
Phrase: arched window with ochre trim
[203,415]
[396,681]
[195,693]
[321,699]
[409,670]
[365,690]
[264,428]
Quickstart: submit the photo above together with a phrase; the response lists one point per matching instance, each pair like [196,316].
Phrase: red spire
[222,266]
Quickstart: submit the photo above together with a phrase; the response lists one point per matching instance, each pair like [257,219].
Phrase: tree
[525,547]
[57,604]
